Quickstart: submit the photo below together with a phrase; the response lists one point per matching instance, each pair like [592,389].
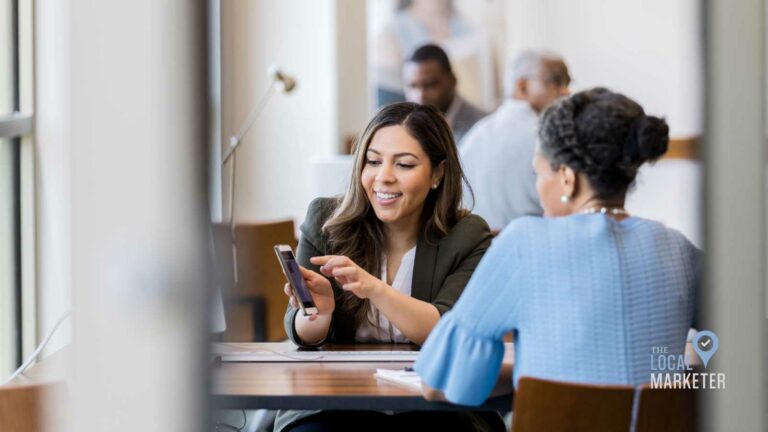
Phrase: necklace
[606,210]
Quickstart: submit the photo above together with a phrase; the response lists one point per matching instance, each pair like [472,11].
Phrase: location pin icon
[705,344]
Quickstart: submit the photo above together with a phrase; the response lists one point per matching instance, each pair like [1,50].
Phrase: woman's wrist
[378,291]
[311,332]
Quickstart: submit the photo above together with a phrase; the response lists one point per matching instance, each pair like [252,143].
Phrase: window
[16,192]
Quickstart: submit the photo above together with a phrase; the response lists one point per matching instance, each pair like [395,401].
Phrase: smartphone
[293,274]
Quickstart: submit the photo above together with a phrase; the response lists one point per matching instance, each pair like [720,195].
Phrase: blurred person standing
[429,80]
[496,154]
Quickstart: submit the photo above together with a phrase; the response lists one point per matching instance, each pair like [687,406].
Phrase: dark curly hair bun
[650,136]
[604,135]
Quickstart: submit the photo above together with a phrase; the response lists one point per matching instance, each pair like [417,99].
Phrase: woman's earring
[564,198]
[434,186]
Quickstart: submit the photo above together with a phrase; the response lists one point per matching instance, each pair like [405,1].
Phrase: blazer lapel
[424,269]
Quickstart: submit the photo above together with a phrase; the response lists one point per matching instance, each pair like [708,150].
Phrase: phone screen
[295,278]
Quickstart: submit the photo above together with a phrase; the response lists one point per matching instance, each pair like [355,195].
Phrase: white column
[137,134]
[735,292]
[52,172]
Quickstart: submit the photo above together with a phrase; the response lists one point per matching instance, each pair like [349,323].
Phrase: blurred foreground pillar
[735,168]
[134,100]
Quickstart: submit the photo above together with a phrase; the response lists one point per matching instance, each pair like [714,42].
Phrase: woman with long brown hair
[384,262]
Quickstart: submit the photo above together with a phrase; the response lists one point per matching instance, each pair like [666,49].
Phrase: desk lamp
[284,84]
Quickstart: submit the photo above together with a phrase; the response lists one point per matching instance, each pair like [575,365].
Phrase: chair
[542,405]
[254,309]
[663,410]
[22,406]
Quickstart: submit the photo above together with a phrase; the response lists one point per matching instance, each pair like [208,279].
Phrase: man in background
[429,80]
[497,153]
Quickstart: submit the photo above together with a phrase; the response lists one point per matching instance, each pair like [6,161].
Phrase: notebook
[403,377]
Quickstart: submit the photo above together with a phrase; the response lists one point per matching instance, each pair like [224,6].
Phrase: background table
[322,385]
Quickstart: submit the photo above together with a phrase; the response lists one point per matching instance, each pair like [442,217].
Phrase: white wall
[669,192]
[273,162]
[649,50]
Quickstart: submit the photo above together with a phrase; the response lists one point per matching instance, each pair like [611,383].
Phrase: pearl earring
[434,186]
[564,198]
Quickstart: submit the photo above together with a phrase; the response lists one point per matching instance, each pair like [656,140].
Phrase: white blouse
[376,327]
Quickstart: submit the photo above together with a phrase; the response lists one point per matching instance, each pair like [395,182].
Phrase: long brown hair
[356,232]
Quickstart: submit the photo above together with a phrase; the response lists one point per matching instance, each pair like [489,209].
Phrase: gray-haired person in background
[496,154]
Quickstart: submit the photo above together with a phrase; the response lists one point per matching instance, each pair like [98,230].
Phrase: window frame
[15,128]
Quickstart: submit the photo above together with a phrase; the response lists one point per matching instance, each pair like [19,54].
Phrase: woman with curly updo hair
[588,290]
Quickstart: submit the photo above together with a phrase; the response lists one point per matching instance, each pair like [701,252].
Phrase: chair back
[22,406]
[662,410]
[255,306]
[543,405]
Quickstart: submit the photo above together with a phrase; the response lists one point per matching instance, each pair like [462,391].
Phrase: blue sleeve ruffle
[463,365]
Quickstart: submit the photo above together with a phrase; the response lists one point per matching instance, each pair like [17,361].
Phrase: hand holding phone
[321,291]
[310,293]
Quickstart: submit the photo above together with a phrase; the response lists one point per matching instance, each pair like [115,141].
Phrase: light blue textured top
[587,296]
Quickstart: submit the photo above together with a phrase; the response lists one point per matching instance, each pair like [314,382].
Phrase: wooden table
[322,385]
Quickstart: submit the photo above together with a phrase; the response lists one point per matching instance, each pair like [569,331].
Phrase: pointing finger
[337,261]
[320,260]
[344,271]
[351,286]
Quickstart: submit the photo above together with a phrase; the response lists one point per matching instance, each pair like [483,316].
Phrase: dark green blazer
[441,269]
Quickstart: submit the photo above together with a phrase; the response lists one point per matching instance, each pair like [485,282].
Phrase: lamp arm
[232,215]
[234,143]
[235,140]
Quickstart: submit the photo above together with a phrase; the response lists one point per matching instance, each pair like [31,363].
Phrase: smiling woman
[397,178]
[405,190]
[391,257]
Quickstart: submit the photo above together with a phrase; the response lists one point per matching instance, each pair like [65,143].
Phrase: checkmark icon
[706,344]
